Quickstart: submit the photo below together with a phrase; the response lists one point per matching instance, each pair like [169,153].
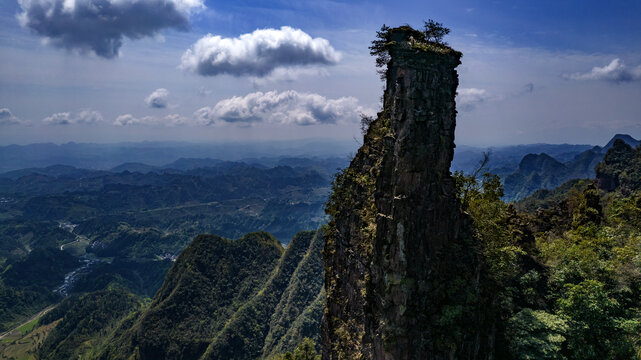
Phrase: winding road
[36,316]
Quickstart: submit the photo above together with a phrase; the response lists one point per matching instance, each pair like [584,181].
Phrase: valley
[131,245]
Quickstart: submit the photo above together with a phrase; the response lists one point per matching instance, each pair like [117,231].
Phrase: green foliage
[379,46]
[244,334]
[548,199]
[207,284]
[19,237]
[224,299]
[43,267]
[26,285]
[586,207]
[300,309]
[595,330]
[140,277]
[434,32]
[588,242]
[491,222]
[430,39]
[86,322]
[620,168]
[594,280]
[18,304]
[132,220]
[306,350]
[536,335]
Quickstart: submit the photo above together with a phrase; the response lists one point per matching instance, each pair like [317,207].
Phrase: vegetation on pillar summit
[429,38]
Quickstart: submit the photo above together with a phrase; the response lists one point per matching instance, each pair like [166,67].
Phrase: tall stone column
[402,273]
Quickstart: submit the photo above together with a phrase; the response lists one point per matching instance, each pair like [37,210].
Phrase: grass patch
[26,328]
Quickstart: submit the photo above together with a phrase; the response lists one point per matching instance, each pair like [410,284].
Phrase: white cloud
[68,118]
[157,99]
[7,118]
[615,71]
[287,107]
[257,53]
[169,120]
[468,98]
[99,26]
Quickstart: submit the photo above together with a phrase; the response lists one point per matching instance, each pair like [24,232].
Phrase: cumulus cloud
[68,118]
[99,26]
[169,120]
[157,99]
[7,118]
[287,107]
[615,71]
[468,98]
[257,53]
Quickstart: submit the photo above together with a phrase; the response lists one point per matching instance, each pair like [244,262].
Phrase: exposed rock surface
[402,272]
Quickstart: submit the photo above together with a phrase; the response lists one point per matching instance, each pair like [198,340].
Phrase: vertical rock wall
[401,269]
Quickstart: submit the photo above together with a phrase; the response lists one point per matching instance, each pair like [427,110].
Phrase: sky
[205,71]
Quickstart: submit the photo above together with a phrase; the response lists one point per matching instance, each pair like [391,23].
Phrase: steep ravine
[401,270]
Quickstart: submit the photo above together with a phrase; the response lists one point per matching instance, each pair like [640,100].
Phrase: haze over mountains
[523,168]
[108,156]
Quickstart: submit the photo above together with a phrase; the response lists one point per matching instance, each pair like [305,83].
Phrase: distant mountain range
[522,168]
[158,154]
[542,171]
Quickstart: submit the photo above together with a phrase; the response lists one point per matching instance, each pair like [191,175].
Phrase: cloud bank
[615,71]
[257,53]
[7,118]
[157,99]
[68,118]
[287,107]
[99,26]
[169,120]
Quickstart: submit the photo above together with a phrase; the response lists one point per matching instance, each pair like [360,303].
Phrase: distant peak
[624,137]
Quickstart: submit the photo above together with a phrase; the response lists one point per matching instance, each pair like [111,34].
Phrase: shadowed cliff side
[402,272]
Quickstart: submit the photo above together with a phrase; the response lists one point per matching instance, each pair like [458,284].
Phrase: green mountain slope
[244,334]
[210,280]
[86,322]
[230,299]
[299,311]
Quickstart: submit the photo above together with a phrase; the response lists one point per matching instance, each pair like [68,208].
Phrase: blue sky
[543,71]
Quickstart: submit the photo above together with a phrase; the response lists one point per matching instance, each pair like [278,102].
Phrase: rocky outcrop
[402,272]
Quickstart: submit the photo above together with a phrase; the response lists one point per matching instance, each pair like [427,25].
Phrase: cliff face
[401,268]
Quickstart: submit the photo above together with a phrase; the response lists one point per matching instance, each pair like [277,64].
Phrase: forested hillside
[65,230]
[565,270]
